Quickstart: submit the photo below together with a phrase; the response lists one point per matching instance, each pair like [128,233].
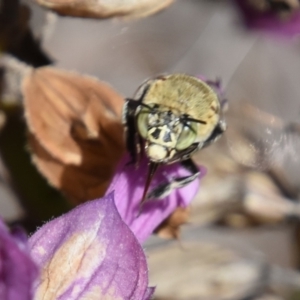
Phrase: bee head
[165,132]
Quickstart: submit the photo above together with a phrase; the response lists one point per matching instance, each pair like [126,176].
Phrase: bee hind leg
[132,138]
[163,190]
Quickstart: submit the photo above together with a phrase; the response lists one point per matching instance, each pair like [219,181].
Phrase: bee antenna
[194,120]
[151,108]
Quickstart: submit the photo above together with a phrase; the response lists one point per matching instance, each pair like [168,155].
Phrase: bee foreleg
[216,134]
[165,189]
[132,139]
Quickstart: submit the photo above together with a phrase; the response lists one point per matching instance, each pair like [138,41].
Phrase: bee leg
[165,189]
[216,134]
[132,138]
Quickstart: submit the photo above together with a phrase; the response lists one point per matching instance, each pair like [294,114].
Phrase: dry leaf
[75,128]
[105,9]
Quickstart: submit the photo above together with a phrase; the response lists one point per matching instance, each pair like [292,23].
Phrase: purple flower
[283,22]
[89,253]
[17,270]
[128,185]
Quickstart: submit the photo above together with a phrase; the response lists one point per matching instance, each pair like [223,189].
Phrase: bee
[169,118]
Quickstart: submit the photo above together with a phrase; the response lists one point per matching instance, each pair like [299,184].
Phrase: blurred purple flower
[17,270]
[90,253]
[284,23]
[128,184]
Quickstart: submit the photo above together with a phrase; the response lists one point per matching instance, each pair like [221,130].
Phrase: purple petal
[17,270]
[269,21]
[89,253]
[128,185]
[149,294]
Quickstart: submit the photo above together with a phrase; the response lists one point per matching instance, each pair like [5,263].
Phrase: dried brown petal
[105,9]
[76,131]
[170,228]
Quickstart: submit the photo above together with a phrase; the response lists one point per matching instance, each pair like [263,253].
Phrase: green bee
[171,117]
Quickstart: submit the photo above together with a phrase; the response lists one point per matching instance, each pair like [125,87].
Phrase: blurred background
[242,240]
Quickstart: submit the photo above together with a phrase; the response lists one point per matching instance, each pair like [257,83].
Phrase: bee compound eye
[186,137]
[142,122]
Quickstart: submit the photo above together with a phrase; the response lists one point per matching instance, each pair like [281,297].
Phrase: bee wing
[75,128]
[261,140]
[251,134]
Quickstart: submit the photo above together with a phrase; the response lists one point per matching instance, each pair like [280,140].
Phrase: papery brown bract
[105,9]
[75,128]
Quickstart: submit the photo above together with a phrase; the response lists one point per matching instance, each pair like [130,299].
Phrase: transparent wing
[264,115]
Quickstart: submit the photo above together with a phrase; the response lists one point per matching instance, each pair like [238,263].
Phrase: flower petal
[17,270]
[269,21]
[149,293]
[89,253]
[128,185]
